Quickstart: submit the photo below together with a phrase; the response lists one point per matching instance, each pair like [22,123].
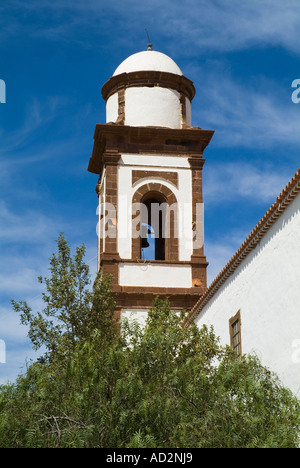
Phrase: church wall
[265,288]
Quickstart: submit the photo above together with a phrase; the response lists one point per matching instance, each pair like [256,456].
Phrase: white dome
[148,60]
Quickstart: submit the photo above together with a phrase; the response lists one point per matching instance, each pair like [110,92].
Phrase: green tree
[72,311]
[160,386]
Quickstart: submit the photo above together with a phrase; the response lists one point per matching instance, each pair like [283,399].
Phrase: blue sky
[54,58]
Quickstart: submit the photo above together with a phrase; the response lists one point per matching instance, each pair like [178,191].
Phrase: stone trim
[109,263]
[199,263]
[199,274]
[116,139]
[171,177]
[137,298]
[166,195]
[150,79]
[121,107]
[184,123]
[111,195]
[196,167]
[155,262]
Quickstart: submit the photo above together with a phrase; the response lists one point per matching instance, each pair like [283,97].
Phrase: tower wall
[172,172]
[155,106]
[147,155]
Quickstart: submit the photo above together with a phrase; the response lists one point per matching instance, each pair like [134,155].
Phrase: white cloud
[218,25]
[222,25]
[239,180]
[37,116]
[219,250]
[217,255]
[18,348]
[26,227]
[27,241]
[255,114]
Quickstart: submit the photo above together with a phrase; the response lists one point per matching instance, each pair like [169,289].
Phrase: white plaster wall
[112,108]
[138,315]
[144,275]
[183,195]
[266,289]
[148,60]
[149,106]
[155,106]
[159,160]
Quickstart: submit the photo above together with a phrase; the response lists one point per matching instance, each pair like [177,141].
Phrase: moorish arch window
[155,217]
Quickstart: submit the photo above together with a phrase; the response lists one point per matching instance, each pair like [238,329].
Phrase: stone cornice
[148,79]
[113,140]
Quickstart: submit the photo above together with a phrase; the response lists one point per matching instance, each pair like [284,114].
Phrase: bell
[145,243]
[144,234]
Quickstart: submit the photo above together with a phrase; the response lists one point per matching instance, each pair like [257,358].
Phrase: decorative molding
[149,79]
[171,177]
[112,140]
[130,297]
[171,243]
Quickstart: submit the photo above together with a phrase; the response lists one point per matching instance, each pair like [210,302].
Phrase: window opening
[235,333]
[152,230]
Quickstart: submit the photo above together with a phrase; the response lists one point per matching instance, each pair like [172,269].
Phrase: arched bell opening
[153,221]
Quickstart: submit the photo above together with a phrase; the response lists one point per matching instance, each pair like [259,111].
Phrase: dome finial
[149,41]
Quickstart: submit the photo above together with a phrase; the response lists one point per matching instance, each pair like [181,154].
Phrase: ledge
[151,79]
[112,140]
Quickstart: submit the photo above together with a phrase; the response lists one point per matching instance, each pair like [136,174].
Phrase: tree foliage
[71,310]
[161,386]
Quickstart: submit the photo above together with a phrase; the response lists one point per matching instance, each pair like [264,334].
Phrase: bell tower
[149,161]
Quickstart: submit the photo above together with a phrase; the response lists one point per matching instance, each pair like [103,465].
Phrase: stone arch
[163,195]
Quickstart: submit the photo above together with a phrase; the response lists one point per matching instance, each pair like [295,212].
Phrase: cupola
[149,89]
